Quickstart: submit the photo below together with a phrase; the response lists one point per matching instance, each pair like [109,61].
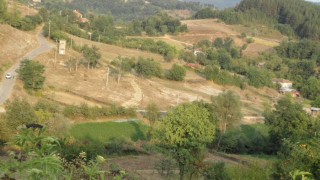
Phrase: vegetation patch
[106,131]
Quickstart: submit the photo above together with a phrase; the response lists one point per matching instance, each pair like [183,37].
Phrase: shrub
[216,171]
[148,68]
[176,73]
[250,40]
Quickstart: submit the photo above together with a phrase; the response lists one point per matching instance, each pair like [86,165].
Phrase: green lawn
[105,131]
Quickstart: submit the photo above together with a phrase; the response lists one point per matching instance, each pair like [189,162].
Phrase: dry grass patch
[14,44]
[110,52]
[25,10]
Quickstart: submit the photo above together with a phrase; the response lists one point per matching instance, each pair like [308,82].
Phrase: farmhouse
[285,84]
[79,15]
[286,87]
[315,111]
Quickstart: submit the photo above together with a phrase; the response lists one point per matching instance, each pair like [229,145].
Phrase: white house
[285,84]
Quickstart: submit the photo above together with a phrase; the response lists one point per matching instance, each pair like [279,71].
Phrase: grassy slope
[104,131]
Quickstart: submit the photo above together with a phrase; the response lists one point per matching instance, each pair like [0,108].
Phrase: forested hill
[296,16]
[124,10]
[221,4]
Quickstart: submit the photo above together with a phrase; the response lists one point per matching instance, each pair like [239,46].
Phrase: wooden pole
[107,81]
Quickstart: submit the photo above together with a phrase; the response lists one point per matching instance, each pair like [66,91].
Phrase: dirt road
[6,85]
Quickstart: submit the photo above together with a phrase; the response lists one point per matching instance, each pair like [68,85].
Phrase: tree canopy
[31,73]
[184,130]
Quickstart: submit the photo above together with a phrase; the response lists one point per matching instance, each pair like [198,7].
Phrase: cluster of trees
[168,51]
[161,23]
[219,52]
[123,10]
[102,29]
[175,4]
[293,134]
[15,20]
[146,68]
[190,127]
[296,16]
[220,57]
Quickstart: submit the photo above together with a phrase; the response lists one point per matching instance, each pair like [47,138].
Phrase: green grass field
[105,131]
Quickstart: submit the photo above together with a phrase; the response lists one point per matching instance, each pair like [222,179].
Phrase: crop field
[104,131]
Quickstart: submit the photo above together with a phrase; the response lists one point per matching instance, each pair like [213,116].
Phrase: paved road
[6,85]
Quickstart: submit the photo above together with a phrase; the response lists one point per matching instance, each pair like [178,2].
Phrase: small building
[315,111]
[37,1]
[84,20]
[261,64]
[62,46]
[197,51]
[80,17]
[284,83]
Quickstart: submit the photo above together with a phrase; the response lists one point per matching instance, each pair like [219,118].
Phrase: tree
[176,73]
[184,131]
[31,73]
[258,77]
[211,72]
[227,105]
[148,68]
[91,55]
[152,115]
[288,120]
[19,112]
[316,102]
[72,62]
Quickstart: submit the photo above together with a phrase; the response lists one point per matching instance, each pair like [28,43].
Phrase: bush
[121,146]
[246,139]
[148,68]
[216,171]
[176,73]
[91,147]
[250,40]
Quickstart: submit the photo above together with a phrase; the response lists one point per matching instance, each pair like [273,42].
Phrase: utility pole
[71,43]
[90,35]
[178,98]
[49,29]
[55,54]
[107,81]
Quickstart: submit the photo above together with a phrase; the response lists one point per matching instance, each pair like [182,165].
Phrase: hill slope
[14,44]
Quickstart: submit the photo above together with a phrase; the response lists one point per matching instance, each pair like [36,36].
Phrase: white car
[8,76]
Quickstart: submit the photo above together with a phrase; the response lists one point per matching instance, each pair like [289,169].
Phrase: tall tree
[227,105]
[288,120]
[92,55]
[184,131]
[31,73]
